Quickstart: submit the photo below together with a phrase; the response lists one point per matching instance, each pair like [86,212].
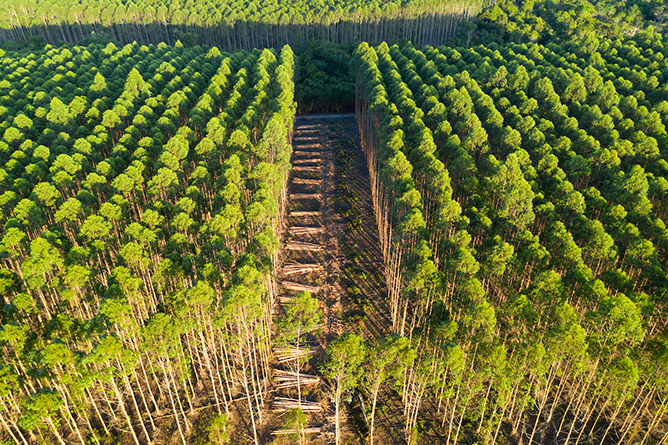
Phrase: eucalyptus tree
[343,366]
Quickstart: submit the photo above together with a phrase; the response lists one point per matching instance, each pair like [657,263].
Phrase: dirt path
[330,248]
[366,308]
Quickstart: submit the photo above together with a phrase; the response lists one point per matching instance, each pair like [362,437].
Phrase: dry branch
[301,230]
[290,285]
[298,245]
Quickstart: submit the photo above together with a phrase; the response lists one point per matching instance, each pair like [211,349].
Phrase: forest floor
[330,210]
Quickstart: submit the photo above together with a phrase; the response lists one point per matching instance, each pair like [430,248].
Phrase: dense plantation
[477,255]
[234,24]
[141,203]
[563,20]
[524,244]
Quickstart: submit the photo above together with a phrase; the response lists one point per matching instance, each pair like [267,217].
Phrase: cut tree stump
[291,285]
[302,181]
[317,196]
[298,230]
[298,245]
[300,268]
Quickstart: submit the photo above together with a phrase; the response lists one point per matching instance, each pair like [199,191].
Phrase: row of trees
[262,23]
[141,196]
[528,277]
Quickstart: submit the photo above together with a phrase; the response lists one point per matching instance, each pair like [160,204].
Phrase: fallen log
[289,353]
[283,373]
[305,161]
[317,196]
[304,181]
[361,402]
[302,431]
[306,213]
[285,404]
[300,230]
[300,268]
[310,169]
[288,379]
[309,151]
[290,285]
[298,245]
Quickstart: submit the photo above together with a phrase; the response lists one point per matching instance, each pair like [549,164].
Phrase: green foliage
[343,365]
[325,83]
[261,23]
[114,250]
[548,266]
[295,419]
[217,432]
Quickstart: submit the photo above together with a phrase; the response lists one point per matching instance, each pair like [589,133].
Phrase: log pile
[303,181]
[298,213]
[317,196]
[298,287]
[308,154]
[302,431]
[288,379]
[309,169]
[304,230]
[305,161]
[285,354]
[286,404]
[300,268]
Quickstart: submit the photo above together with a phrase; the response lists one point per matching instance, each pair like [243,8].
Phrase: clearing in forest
[329,249]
